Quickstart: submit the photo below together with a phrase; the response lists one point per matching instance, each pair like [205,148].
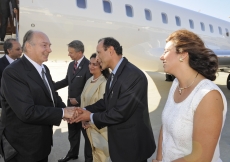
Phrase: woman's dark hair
[105,72]
[201,59]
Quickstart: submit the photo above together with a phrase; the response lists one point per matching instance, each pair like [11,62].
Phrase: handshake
[76,114]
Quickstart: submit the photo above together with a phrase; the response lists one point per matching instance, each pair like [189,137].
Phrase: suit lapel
[79,68]
[5,61]
[34,75]
[48,76]
[116,76]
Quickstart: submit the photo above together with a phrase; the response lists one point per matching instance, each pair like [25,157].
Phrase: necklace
[181,89]
[94,80]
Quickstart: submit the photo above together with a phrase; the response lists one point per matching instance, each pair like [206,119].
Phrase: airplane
[141,27]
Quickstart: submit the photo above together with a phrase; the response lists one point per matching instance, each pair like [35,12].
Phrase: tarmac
[158,90]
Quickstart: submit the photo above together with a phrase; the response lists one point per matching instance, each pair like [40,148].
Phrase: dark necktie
[75,67]
[111,81]
[44,80]
[47,85]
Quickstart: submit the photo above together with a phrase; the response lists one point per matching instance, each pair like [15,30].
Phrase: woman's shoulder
[207,84]
[103,79]
[203,88]
[89,80]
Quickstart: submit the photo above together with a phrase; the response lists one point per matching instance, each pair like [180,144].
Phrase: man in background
[76,77]
[5,13]
[13,51]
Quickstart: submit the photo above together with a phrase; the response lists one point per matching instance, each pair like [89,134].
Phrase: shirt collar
[9,59]
[36,65]
[79,61]
[117,66]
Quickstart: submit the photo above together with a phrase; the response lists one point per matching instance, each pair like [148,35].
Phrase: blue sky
[216,8]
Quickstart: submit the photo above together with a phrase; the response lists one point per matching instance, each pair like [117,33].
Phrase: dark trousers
[44,160]
[75,138]
[4,23]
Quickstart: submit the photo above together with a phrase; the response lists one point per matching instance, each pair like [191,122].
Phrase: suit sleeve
[0,77]
[17,92]
[99,106]
[59,103]
[129,99]
[61,84]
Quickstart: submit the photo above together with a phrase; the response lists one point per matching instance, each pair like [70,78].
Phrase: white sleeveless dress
[177,119]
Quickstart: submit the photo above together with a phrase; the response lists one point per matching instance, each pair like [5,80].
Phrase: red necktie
[75,67]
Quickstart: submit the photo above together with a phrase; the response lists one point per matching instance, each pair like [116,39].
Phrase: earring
[181,60]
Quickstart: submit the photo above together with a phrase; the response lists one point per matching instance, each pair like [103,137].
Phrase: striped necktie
[75,67]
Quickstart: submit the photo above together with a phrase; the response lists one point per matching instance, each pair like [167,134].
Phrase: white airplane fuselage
[142,40]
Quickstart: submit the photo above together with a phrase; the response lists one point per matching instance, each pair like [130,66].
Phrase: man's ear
[28,46]
[8,50]
[111,50]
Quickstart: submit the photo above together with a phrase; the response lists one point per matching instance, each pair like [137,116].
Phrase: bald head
[28,38]
[36,45]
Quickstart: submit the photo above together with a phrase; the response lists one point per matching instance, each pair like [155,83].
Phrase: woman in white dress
[195,111]
[93,91]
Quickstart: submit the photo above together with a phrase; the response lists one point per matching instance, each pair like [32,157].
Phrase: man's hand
[70,113]
[15,10]
[73,101]
[85,124]
[83,115]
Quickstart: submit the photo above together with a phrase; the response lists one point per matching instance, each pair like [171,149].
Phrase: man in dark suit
[13,51]
[5,13]
[124,108]
[30,106]
[77,75]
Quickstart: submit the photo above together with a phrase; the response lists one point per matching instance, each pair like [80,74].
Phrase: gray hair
[8,45]
[27,38]
[77,45]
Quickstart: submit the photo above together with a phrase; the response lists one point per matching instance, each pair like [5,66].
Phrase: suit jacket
[3,64]
[75,82]
[5,6]
[28,113]
[124,109]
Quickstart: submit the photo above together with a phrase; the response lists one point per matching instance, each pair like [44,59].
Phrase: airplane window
[220,30]
[164,18]
[211,28]
[107,6]
[81,3]
[178,23]
[227,33]
[129,10]
[191,24]
[202,26]
[148,14]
